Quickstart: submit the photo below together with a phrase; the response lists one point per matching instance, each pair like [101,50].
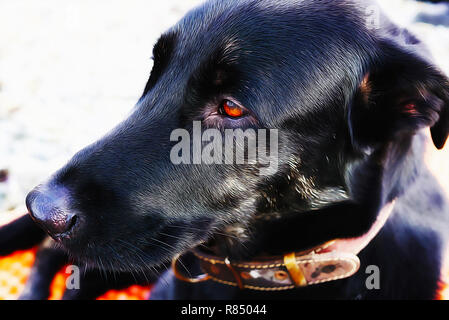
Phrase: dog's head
[163,181]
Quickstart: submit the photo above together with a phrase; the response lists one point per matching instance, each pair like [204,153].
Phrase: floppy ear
[398,96]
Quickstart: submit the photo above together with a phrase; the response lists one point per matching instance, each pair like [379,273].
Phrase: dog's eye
[231,109]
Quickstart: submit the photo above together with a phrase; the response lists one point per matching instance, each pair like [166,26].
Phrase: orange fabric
[15,269]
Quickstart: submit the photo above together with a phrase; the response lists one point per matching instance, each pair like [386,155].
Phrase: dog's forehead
[297,43]
[245,17]
[272,29]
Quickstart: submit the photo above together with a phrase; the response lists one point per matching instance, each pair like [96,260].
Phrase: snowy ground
[70,70]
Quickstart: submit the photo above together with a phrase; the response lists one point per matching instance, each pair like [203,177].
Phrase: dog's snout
[49,208]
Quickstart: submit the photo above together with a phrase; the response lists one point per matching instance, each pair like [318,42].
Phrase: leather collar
[331,261]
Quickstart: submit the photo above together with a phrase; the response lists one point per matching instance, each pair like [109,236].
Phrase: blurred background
[69,71]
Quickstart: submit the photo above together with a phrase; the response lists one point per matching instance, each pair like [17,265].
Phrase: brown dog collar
[334,260]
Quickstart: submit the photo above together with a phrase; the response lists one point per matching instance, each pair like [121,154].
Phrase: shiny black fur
[350,103]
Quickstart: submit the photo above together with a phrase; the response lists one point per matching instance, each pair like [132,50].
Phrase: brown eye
[231,109]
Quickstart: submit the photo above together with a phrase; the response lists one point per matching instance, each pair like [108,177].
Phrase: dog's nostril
[60,222]
[49,209]
[72,223]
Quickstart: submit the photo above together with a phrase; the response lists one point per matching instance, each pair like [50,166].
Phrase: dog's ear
[399,95]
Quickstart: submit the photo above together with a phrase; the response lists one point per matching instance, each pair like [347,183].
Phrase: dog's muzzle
[334,260]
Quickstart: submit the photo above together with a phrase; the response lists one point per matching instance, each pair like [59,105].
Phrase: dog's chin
[130,255]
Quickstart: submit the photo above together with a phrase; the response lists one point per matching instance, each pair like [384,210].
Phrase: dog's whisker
[103,270]
[116,258]
[168,245]
[141,255]
[171,236]
[188,228]
[163,243]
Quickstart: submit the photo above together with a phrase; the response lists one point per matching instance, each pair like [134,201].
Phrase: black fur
[350,103]
[20,234]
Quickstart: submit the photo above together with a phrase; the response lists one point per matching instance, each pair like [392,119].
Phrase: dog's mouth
[138,251]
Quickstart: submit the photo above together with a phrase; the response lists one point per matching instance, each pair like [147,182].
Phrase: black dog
[348,93]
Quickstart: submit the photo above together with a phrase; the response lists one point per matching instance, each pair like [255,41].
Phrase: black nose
[48,206]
